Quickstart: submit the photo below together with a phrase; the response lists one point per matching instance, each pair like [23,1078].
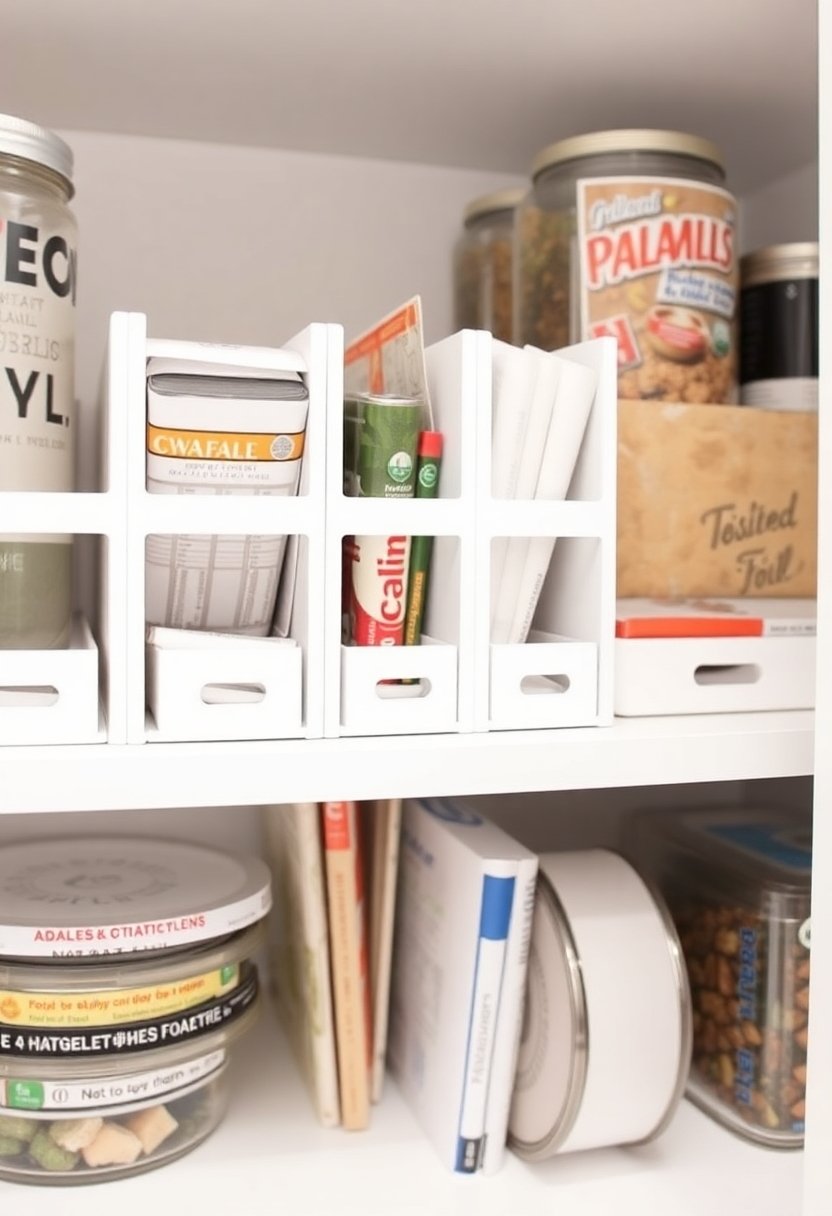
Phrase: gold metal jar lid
[490,204]
[597,143]
[778,263]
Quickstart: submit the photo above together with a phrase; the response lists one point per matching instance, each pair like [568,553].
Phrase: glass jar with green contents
[630,233]
[37,359]
[483,264]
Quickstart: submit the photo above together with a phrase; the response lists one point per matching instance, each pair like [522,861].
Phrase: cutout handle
[233,694]
[727,673]
[541,685]
[28,696]
[393,690]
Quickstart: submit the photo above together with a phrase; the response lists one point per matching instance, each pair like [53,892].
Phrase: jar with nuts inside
[482,262]
[632,234]
[737,884]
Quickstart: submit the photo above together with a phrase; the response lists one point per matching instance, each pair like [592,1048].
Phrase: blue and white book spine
[510,1026]
[489,968]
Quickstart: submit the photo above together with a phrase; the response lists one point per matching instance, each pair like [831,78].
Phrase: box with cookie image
[737,884]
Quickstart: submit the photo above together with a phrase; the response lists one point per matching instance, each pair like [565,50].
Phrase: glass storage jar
[779,327]
[483,259]
[737,883]
[38,240]
[630,233]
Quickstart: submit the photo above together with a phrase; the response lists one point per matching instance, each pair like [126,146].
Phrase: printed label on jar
[19,1093]
[658,272]
[37,325]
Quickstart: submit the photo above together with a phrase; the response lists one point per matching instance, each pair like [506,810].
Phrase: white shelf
[634,751]
[271,1155]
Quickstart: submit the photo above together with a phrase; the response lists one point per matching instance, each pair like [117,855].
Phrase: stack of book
[334,868]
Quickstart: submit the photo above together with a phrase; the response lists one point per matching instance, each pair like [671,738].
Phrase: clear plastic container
[108,1116]
[779,327]
[738,884]
[483,262]
[38,261]
[631,233]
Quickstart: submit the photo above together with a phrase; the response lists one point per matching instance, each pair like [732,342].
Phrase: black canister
[779,327]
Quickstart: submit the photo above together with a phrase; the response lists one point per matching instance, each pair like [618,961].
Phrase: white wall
[249,245]
[784,210]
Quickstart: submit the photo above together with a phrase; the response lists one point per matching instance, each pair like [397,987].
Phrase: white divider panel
[301,516]
[356,698]
[577,602]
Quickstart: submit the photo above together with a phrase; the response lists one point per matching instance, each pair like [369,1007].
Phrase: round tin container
[71,995]
[779,327]
[87,897]
[606,1039]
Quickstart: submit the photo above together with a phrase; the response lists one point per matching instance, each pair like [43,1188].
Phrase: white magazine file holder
[166,693]
[364,690]
[76,695]
[563,674]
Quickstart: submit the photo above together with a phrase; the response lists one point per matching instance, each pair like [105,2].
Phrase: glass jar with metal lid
[631,233]
[483,264]
[38,240]
[779,327]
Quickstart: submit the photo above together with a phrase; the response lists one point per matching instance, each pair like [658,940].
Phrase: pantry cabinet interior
[244,170]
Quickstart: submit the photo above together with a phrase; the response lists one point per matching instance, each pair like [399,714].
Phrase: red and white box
[713,655]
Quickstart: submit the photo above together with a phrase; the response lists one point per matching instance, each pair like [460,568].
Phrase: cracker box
[716,500]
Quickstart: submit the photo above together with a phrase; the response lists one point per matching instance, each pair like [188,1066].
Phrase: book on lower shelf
[465,898]
[349,962]
[300,949]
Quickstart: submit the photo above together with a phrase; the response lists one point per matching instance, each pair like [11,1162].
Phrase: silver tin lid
[19,137]
[597,143]
[552,1061]
[779,263]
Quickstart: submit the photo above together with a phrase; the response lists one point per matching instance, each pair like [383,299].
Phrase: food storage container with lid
[779,327]
[631,233]
[483,258]
[737,883]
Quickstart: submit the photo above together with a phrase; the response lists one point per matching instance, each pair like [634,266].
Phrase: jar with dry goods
[631,233]
[737,883]
[779,327]
[37,357]
[483,264]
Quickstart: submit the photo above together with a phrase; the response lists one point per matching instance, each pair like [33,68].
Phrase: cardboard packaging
[716,500]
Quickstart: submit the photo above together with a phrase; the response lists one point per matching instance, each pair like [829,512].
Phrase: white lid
[92,896]
[551,1065]
[19,137]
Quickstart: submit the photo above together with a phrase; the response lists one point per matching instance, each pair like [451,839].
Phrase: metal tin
[607,1028]
[90,897]
[779,327]
[483,259]
[631,234]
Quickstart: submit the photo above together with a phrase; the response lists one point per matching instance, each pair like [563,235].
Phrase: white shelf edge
[631,752]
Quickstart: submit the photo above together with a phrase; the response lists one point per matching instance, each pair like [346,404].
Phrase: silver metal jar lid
[28,141]
[491,204]
[596,143]
[777,263]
